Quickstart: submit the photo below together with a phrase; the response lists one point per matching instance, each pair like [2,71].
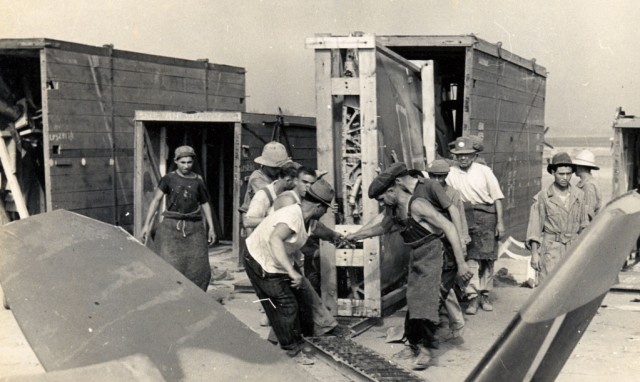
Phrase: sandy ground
[609,350]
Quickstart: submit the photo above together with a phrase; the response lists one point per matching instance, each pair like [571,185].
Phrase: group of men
[561,211]
[451,217]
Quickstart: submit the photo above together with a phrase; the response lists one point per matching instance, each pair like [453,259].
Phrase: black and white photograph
[319,190]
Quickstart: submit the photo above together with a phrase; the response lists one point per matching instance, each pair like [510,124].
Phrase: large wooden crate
[88,96]
[626,153]
[226,145]
[381,99]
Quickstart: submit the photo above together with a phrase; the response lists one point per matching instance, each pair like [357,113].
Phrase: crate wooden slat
[89,97]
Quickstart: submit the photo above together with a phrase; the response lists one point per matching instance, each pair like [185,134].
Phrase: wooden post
[325,138]
[221,182]
[237,185]
[138,181]
[428,111]
[164,154]
[10,173]
[370,164]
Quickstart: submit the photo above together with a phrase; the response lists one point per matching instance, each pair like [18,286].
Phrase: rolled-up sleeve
[590,199]
[536,222]
[493,185]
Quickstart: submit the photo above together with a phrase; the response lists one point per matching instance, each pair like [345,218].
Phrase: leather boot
[472,308]
[485,304]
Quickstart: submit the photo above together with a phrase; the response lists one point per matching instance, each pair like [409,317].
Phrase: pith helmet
[274,154]
[586,159]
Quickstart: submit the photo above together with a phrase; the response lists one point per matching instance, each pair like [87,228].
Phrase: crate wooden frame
[521,126]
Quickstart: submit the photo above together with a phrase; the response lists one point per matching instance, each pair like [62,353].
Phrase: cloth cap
[586,159]
[184,151]
[438,167]
[274,154]
[385,179]
[560,159]
[322,191]
[466,145]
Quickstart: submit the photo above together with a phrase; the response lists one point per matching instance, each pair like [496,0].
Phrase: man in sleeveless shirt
[422,227]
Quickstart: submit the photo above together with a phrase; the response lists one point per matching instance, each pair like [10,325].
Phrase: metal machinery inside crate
[383,99]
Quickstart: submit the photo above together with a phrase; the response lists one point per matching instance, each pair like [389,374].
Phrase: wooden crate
[404,98]
[227,144]
[88,98]
[626,153]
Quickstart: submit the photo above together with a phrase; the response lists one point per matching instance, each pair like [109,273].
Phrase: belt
[560,237]
[424,240]
[485,207]
[257,268]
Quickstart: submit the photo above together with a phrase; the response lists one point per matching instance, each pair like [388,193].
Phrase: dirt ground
[609,350]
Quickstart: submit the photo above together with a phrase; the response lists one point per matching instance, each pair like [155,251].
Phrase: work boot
[423,360]
[485,304]
[217,276]
[457,331]
[409,352]
[472,308]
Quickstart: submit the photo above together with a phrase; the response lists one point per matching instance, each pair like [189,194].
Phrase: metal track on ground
[364,363]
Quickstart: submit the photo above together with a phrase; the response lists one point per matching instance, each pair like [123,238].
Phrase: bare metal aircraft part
[541,337]
[85,292]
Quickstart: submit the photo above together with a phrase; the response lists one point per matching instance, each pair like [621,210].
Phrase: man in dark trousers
[411,209]
[269,263]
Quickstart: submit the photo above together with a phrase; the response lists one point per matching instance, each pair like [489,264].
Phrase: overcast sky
[588,47]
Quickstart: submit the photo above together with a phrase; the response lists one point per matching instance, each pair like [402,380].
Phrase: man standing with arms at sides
[558,215]
[422,228]
[585,162]
[479,187]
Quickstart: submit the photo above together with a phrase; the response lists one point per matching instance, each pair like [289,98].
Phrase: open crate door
[150,166]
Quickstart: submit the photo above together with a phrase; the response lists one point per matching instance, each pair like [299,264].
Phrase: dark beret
[385,179]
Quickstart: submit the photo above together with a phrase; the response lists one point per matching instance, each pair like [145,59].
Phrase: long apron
[183,244]
[423,287]
[484,245]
